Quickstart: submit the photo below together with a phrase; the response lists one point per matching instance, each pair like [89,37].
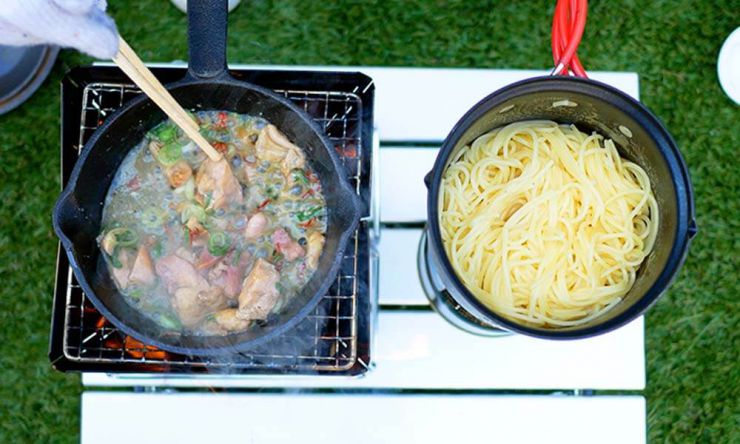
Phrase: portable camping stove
[334,339]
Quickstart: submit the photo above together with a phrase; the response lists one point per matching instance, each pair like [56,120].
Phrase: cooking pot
[639,137]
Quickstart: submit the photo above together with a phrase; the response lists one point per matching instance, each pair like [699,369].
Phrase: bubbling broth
[213,247]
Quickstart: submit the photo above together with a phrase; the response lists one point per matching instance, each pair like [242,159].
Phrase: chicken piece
[228,320]
[192,304]
[217,178]
[227,277]
[233,281]
[217,271]
[314,247]
[177,272]
[293,159]
[206,260]
[142,271]
[178,174]
[186,254]
[259,293]
[121,274]
[291,249]
[272,145]
[255,226]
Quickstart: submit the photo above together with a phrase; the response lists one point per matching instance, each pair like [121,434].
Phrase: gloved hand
[81,24]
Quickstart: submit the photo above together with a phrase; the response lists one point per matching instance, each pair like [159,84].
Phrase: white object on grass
[728,66]
[80,24]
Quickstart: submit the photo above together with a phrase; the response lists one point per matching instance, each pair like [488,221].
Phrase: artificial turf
[692,333]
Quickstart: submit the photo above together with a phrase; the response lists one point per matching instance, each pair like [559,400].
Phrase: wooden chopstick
[131,64]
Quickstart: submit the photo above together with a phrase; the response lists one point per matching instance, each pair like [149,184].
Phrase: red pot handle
[568,23]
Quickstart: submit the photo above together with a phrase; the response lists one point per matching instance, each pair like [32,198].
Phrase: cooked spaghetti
[545,224]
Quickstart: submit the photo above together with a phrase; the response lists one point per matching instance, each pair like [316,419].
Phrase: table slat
[420,350]
[359,419]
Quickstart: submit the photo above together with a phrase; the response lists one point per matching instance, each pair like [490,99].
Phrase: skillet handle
[207,23]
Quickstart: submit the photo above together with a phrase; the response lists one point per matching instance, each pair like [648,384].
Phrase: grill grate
[326,341]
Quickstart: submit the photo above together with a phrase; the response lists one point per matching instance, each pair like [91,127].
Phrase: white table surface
[413,349]
[141,418]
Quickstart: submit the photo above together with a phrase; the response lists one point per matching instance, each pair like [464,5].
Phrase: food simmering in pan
[546,224]
[211,247]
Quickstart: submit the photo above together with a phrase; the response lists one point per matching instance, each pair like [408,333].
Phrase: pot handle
[428,179]
[207,23]
[65,218]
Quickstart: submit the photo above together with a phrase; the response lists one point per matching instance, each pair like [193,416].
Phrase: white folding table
[429,381]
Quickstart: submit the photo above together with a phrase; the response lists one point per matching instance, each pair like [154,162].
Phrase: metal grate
[325,341]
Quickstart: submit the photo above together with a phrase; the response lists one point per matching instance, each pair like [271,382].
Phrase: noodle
[544,224]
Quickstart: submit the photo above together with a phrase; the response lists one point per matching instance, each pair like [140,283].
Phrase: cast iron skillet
[639,136]
[207,86]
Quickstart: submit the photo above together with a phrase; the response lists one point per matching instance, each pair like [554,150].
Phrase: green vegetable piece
[115,261]
[168,320]
[272,193]
[156,250]
[306,215]
[126,237]
[166,133]
[218,243]
[118,238]
[193,211]
[136,293]
[169,154]
[299,176]
[237,256]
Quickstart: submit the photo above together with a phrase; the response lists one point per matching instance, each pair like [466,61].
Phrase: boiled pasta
[545,224]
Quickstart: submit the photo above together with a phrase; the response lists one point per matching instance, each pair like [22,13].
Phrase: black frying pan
[206,86]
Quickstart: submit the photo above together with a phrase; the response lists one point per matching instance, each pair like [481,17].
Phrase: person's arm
[80,24]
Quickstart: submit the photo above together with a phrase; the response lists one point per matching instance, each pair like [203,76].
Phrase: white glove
[81,24]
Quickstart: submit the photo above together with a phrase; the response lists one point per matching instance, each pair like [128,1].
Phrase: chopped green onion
[165,133]
[237,256]
[115,261]
[277,256]
[272,193]
[156,251]
[118,237]
[167,320]
[218,243]
[136,293]
[169,154]
[299,176]
[303,216]
[193,211]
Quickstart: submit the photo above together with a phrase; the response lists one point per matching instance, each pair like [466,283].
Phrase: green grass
[692,333]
